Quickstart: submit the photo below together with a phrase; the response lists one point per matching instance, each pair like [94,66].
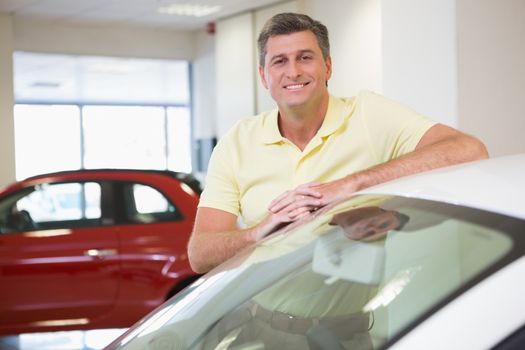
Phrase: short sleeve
[221,190]
[393,129]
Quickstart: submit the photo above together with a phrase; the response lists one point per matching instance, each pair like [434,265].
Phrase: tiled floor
[73,340]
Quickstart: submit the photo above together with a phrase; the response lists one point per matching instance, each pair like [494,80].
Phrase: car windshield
[358,275]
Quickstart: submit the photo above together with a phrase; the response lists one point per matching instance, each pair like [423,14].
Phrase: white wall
[235,73]
[204,86]
[108,40]
[419,56]
[7,139]
[491,72]
[354,27]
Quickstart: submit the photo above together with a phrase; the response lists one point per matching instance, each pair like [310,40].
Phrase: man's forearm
[208,249]
[430,154]
[449,151]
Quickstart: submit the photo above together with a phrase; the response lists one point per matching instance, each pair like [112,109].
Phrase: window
[47,138]
[150,205]
[148,200]
[324,282]
[77,112]
[68,201]
[124,137]
[179,149]
[52,206]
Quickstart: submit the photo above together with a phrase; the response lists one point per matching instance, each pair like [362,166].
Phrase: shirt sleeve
[393,128]
[221,190]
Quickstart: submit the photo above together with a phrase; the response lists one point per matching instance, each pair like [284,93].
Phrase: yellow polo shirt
[253,164]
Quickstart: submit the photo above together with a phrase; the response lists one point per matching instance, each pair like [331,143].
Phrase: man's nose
[294,69]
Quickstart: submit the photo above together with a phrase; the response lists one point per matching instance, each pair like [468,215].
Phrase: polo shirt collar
[271,133]
[334,117]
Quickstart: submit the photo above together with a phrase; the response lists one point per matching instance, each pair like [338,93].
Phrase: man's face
[295,71]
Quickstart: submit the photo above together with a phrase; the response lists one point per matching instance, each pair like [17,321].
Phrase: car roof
[495,184]
[106,170]
[81,174]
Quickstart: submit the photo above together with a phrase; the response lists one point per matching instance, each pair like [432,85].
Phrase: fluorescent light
[110,67]
[189,10]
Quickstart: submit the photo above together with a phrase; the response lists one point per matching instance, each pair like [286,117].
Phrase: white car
[430,261]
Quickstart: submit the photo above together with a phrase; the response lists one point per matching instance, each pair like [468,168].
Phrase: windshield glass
[356,276]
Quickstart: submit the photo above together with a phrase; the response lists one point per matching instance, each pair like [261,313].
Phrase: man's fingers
[282,203]
[309,185]
[297,201]
[298,213]
[300,216]
[307,191]
[279,198]
[291,196]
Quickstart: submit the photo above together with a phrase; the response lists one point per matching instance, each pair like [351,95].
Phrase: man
[315,149]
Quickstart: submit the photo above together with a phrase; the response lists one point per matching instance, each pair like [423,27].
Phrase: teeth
[297,86]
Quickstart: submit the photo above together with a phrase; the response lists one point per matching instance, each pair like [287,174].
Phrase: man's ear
[328,62]
[263,78]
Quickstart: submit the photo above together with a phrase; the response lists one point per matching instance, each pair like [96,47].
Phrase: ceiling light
[110,67]
[45,84]
[189,10]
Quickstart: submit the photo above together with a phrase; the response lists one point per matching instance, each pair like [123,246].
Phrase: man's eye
[306,57]
[279,61]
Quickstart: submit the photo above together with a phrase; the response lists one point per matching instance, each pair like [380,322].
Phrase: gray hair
[288,23]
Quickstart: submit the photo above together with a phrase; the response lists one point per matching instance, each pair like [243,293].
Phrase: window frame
[164,133]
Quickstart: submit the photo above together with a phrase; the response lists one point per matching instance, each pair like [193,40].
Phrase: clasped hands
[295,204]
[302,201]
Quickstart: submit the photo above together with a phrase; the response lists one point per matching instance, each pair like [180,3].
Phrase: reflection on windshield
[369,223]
[350,279]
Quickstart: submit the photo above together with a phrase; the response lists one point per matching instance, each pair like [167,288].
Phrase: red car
[93,248]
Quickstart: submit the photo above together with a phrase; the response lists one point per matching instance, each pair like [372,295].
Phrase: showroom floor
[73,340]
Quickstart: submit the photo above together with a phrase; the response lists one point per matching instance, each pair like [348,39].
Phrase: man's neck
[299,125]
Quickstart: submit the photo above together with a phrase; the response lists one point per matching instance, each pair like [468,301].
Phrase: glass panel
[148,200]
[351,280]
[124,137]
[95,79]
[93,200]
[47,139]
[179,139]
[60,202]
[371,275]
[150,206]
[114,137]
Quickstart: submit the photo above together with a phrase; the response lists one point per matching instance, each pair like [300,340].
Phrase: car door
[154,233]
[58,258]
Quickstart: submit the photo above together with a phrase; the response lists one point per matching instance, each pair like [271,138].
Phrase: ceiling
[127,12]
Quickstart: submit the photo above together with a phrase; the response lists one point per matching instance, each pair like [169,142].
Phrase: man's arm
[216,236]
[440,146]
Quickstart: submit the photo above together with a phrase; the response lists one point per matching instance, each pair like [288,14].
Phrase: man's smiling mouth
[295,86]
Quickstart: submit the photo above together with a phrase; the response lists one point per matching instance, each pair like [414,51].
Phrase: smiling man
[312,150]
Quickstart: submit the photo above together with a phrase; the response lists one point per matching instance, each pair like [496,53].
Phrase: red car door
[154,230]
[62,272]
[65,275]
